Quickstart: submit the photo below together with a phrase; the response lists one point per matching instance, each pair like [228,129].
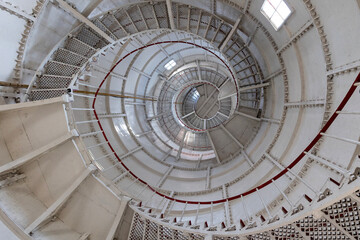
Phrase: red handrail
[291,165]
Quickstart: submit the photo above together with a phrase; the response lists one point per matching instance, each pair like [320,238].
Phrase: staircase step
[53,81]
[80,47]
[113,25]
[61,69]
[46,94]
[67,56]
[91,38]
[100,25]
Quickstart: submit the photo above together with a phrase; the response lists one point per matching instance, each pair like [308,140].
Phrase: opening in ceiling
[276,11]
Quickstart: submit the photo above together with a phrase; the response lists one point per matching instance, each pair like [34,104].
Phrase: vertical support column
[263,203]
[178,156]
[168,202]
[170,14]
[227,207]
[119,215]
[213,147]
[207,185]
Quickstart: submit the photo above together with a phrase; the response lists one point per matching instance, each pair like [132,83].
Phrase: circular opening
[207,105]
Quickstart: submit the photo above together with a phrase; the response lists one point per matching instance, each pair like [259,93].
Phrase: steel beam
[276,163]
[155,116]
[206,100]
[261,85]
[354,113]
[296,35]
[34,154]
[331,165]
[248,116]
[243,89]
[226,206]
[134,103]
[213,147]
[105,71]
[84,236]
[231,136]
[118,217]
[283,194]
[341,139]
[187,115]
[166,155]
[231,33]
[111,115]
[170,14]
[124,156]
[64,5]
[60,201]
[270,120]
[273,75]
[178,156]
[263,203]
[16,11]
[208,176]
[141,72]
[11,179]
[163,178]
[144,133]
[305,103]
[303,181]
[247,158]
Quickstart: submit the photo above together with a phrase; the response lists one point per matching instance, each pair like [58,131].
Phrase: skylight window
[170,65]
[276,11]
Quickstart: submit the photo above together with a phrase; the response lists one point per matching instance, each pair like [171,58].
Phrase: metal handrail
[263,185]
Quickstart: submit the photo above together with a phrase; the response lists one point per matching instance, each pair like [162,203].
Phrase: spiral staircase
[251,133]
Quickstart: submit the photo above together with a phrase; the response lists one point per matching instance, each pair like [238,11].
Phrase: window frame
[172,63]
[272,24]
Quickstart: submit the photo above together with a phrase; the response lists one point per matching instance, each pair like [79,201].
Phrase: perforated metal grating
[225,238]
[343,224]
[137,230]
[260,236]
[53,81]
[286,233]
[151,230]
[148,230]
[61,69]
[88,36]
[165,233]
[346,213]
[69,57]
[46,94]
[77,46]
[319,229]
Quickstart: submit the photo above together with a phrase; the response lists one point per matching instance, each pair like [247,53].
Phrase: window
[276,11]
[170,65]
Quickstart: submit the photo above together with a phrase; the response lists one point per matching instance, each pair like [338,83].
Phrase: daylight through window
[276,11]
